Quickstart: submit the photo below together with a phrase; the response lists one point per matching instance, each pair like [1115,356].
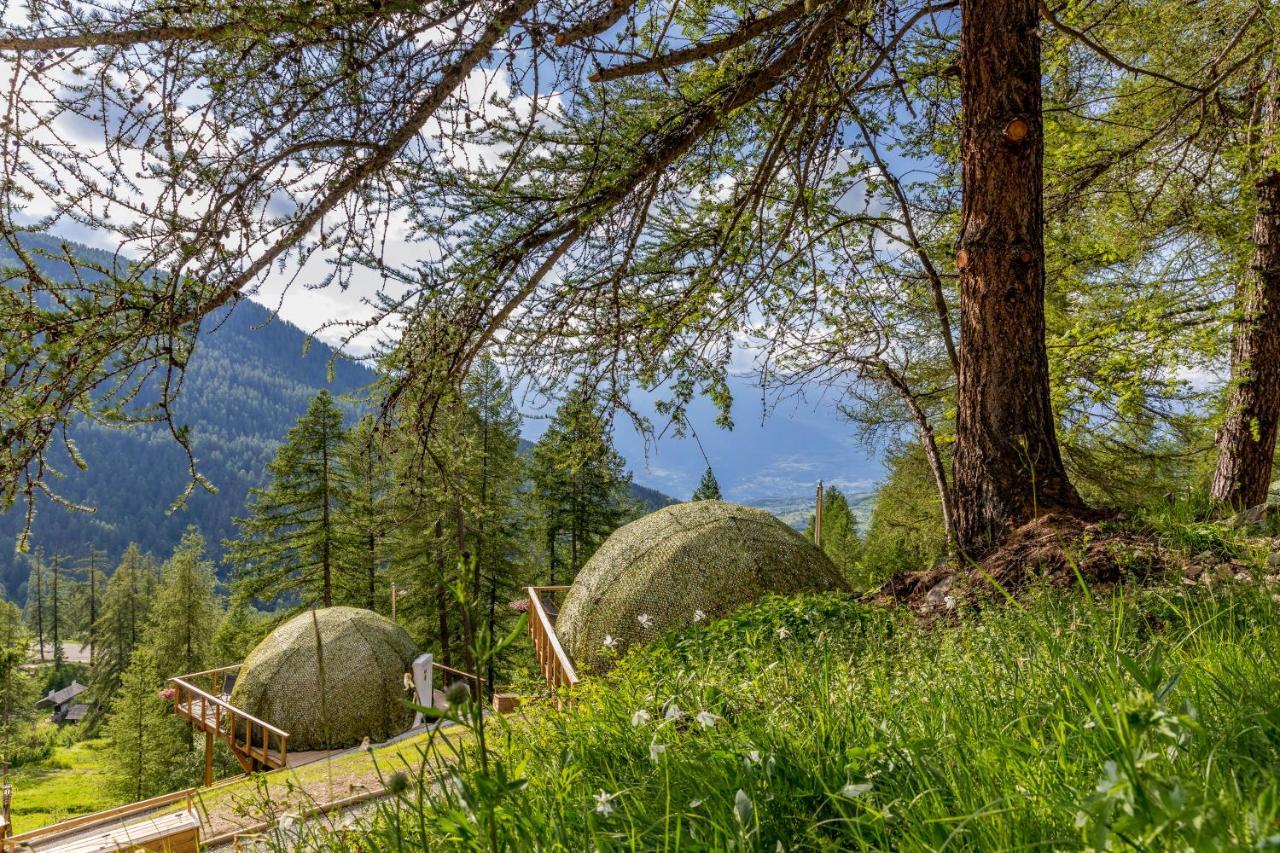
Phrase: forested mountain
[248,382]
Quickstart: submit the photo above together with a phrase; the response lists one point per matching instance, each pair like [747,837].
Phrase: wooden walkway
[255,743]
[152,825]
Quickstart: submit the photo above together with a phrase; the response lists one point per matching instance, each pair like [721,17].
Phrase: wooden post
[817,519]
[208,758]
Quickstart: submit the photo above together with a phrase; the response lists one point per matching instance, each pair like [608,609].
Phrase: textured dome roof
[330,678]
[704,555]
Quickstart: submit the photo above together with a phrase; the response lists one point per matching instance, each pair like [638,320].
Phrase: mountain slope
[247,383]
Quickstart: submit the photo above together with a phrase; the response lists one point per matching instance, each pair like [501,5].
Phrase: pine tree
[1247,439]
[186,611]
[362,517]
[55,572]
[840,540]
[36,598]
[287,546]
[580,482]
[126,609]
[90,597]
[1007,463]
[150,747]
[708,488]
[495,475]
[17,688]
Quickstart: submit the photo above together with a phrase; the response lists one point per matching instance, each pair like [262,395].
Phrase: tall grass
[1149,720]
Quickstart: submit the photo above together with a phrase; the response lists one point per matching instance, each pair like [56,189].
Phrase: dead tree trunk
[1247,439]
[1007,464]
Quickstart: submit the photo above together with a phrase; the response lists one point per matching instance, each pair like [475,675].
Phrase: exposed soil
[1055,550]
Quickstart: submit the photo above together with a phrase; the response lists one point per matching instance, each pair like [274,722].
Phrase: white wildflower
[743,808]
[610,641]
[783,633]
[673,712]
[693,804]
[699,616]
[752,758]
[639,718]
[656,750]
[645,620]
[706,719]
[603,804]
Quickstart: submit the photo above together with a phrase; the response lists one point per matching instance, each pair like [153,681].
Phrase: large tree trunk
[1007,464]
[1247,440]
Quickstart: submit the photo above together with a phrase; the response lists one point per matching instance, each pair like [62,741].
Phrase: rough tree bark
[1247,439]
[1007,464]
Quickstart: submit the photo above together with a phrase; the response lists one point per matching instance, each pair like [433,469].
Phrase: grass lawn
[247,801]
[71,782]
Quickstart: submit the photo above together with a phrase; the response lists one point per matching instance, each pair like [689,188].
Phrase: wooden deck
[148,825]
[202,698]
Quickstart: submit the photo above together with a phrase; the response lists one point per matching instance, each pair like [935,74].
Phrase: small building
[65,708]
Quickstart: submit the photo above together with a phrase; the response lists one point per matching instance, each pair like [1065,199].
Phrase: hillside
[246,385]
[251,377]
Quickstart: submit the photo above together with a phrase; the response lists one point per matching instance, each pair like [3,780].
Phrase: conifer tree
[149,745]
[90,597]
[288,543]
[579,481]
[496,473]
[17,688]
[55,614]
[362,516]
[36,598]
[186,611]
[126,609]
[708,488]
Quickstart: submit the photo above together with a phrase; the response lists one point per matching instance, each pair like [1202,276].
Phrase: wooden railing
[556,666]
[251,740]
[446,676]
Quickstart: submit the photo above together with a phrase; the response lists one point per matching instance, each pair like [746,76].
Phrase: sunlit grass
[1147,719]
[71,782]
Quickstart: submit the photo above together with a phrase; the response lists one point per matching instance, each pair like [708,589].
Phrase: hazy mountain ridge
[796,511]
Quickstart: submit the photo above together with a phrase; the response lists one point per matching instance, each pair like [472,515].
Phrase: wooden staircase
[202,698]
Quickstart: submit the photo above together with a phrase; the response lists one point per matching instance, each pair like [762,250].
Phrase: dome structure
[658,571]
[330,678]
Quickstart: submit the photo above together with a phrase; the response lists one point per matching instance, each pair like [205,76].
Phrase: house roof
[66,694]
[75,713]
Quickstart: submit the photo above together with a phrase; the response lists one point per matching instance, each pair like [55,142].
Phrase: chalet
[63,702]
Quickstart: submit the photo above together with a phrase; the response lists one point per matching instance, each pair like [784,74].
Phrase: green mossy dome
[330,678]
[704,555]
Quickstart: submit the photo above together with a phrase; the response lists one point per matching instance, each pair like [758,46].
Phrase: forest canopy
[912,203]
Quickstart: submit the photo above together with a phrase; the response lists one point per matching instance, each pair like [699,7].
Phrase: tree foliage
[708,488]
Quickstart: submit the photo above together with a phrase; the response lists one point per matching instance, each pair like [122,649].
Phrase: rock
[1204,558]
[1243,577]
[939,593]
[1224,571]
[1273,561]
[1192,570]
[1257,516]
